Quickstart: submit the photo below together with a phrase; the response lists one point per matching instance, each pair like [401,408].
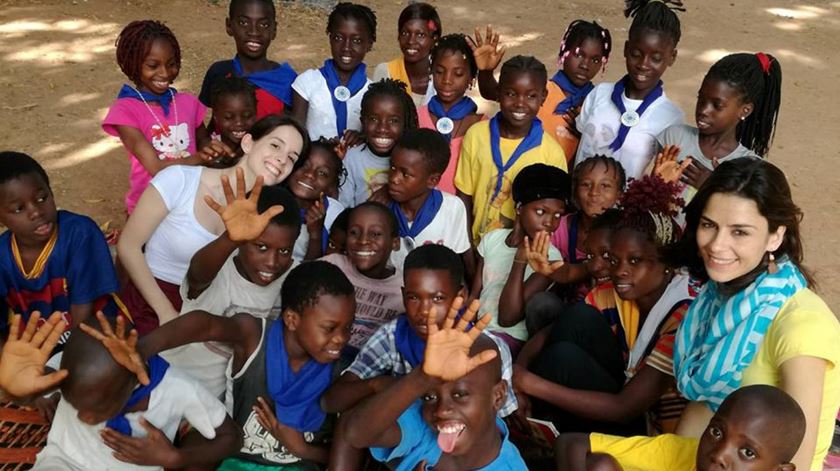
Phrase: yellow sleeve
[805,326]
[661,453]
[554,154]
[467,169]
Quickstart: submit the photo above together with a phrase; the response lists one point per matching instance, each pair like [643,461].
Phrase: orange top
[555,125]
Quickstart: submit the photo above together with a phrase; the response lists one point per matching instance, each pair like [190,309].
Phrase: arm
[488,54]
[314,219]
[635,398]
[202,136]
[803,377]
[533,347]
[468,204]
[147,216]
[477,282]
[206,263]
[293,440]
[300,107]
[79,313]
[349,390]
[571,451]
[136,143]
[517,290]
[241,331]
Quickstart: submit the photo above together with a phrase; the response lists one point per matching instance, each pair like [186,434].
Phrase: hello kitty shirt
[175,141]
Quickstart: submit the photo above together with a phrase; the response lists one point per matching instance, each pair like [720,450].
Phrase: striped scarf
[720,336]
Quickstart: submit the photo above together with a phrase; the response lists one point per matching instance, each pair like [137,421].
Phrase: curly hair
[135,41]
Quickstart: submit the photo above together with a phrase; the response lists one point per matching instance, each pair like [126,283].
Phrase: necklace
[164,130]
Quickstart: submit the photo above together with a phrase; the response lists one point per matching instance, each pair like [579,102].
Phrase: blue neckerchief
[531,141]
[574,94]
[164,100]
[409,344]
[325,233]
[157,370]
[465,107]
[355,84]
[422,219]
[297,396]
[618,92]
[277,81]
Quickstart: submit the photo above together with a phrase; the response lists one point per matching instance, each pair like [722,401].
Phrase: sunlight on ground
[76,98]
[75,49]
[78,50]
[711,56]
[788,25]
[802,12]
[86,153]
[520,39]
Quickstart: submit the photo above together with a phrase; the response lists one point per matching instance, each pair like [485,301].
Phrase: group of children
[335,270]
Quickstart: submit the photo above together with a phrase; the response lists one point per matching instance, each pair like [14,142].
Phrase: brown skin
[233,116]
[416,35]
[252,22]
[520,97]
[647,54]
[383,124]
[317,177]
[370,241]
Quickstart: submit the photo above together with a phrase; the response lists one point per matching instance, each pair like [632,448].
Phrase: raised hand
[314,216]
[537,254]
[122,347]
[448,347]
[696,174]
[487,51]
[154,449]
[242,221]
[666,165]
[351,139]
[25,354]
[214,152]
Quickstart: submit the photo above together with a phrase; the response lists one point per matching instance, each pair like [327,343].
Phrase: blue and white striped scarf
[720,336]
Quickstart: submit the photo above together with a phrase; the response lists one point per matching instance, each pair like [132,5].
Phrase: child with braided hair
[605,363]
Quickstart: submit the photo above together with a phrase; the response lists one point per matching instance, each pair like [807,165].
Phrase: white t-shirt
[72,444]
[449,228]
[498,260]
[599,121]
[381,72]
[302,243]
[321,118]
[227,295]
[179,236]
[366,173]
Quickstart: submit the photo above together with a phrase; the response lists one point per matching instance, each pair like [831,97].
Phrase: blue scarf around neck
[409,344]
[164,100]
[422,219]
[157,370]
[617,94]
[574,94]
[465,107]
[355,84]
[277,81]
[531,141]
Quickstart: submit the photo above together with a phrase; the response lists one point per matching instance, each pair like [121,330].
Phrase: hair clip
[431,26]
[764,60]
[664,228]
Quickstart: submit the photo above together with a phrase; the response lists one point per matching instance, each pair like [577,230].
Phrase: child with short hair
[757,428]
[387,111]
[234,105]
[425,214]
[622,119]
[337,242]
[329,99]
[241,271]
[495,152]
[315,183]
[371,238]
[584,51]
[445,413]
[450,112]
[504,282]
[157,125]
[284,365]
[418,29]
[253,26]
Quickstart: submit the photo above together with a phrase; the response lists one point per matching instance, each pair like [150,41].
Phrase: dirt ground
[58,77]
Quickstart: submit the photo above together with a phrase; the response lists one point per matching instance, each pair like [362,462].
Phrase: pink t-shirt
[185,115]
[560,240]
[447,180]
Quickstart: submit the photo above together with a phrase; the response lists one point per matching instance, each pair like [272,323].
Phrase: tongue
[446,441]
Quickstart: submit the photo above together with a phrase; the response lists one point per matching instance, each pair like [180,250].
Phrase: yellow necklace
[40,262]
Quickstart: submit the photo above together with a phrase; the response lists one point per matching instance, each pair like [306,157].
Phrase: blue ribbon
[277,81]
[157,370]
[297,396]
[422,219]
[408,343]
[574,94]
[618,92]
[164,100]
[531,141]
[355,84]
[465,107]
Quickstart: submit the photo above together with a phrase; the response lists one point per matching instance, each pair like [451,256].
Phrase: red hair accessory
[431,26]
[764,60]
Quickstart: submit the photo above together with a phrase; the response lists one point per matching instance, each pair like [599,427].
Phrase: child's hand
[154,449]
[537,255]
[289,437]
[666,166]
[23,358]
[487,51]
[696,174]
[448,348]
[242,221]
[314,216]
[351,139]
[214,152]
[122,347]
[381,196]
[46,405]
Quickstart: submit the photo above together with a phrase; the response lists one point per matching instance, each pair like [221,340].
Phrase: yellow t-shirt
[476,175]
[666,452]
[804,326]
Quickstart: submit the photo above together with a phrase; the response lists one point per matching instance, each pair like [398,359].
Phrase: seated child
[757,428]
[241,271]
[337,242]
[387,111]
[112,417]
[157,125]
[315,183]
[418,30]
[52,260]
[442,415]
[504,282]
[494,152]
[234,104]
[371,238]
[253,25]
[450,112]
[425,214]
[280,367]
[328,99]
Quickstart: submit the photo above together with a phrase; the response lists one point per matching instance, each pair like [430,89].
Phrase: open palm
[537,254]
[242,220]
[121,345]
[487,51]
[24,356]
[448,347]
